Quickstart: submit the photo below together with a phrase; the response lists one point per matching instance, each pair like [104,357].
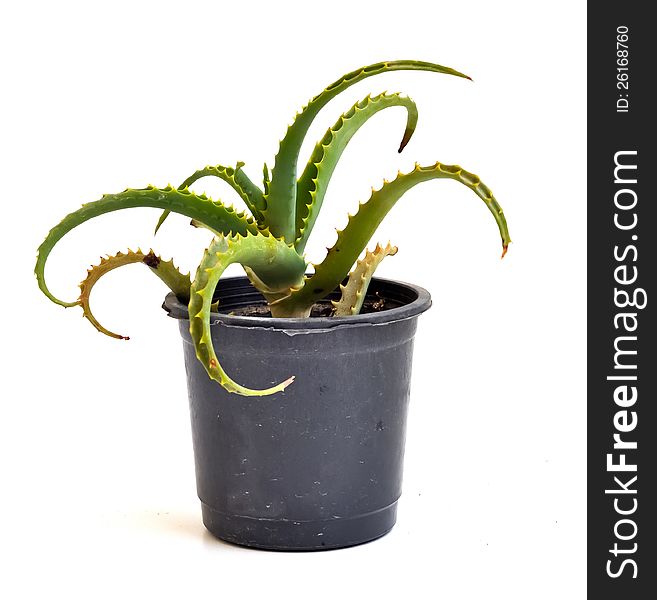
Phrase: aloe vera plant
[269,242]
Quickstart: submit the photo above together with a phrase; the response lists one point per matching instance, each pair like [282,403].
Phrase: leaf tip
[408,133]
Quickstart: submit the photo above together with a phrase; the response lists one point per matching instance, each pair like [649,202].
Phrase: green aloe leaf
[250,193]
[213,214]
[361,226]
[281,199]
[315,178]
[263,255]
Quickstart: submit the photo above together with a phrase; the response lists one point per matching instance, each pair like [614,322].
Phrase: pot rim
[419,300]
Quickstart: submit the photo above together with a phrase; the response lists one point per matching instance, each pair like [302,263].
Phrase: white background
[99,497]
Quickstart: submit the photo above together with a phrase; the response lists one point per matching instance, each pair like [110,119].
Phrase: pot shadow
[179,523]
[175,522]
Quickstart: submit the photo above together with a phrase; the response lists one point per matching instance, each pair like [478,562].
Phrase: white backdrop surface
[99,496]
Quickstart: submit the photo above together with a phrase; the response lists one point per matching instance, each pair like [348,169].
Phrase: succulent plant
[269,243]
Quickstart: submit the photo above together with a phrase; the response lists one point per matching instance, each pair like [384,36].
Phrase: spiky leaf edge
[196,206]
[352,295]
[259,253]
[281,197]
[178,283]
[248,191]
[314,180]
[353,239]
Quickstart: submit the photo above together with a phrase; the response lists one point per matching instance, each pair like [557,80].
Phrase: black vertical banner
[622,301]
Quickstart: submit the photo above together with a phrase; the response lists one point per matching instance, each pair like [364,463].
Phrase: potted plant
[318,464]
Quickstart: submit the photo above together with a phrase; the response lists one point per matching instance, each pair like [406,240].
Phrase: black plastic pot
[319,465]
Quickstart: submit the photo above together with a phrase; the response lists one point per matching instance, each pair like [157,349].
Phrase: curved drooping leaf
[315,178]
[250,193]
[280,201]
[353,293]
[178,283]
[354,237]
[213,214]
[263,255]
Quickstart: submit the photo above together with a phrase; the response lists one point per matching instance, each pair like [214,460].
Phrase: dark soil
[319,309]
